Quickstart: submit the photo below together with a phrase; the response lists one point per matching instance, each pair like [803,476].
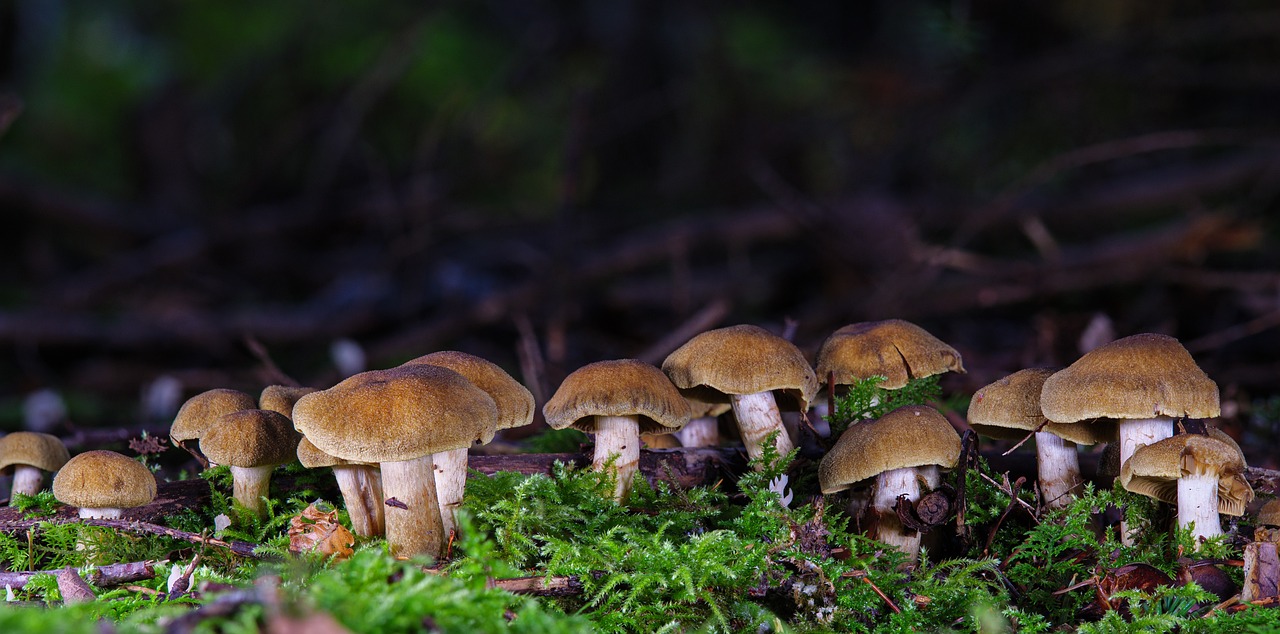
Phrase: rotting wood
[101,576]
[1261,572]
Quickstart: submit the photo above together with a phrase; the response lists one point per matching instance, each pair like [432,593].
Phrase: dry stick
[244,549]
[274,373]
[101,576]
[858,574]
[705,319]
[1029,436]
[968,446]
[1013,493]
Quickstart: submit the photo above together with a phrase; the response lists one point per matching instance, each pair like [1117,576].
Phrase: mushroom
[895,349]
[1202,475]
[515,409]
[198,413]
[703,428]
[104,483]
[1145,381]
[253,442]
[398,418]
[901,450]
[1010,408]
[360,484]
[280,398]
[617,401]
[660,441]
[748,366]
[28,454]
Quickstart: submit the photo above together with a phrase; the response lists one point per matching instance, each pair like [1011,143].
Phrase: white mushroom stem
[100,514]
[620,436]
[250,485]
[1198,505]
[27,480]
[1142,431]
[700,432]
[361,488]
[416,528]
[1059,469]
[889,486]
[451,483]
[758,417]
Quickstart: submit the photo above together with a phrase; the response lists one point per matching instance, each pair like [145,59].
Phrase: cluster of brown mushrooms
[397,439]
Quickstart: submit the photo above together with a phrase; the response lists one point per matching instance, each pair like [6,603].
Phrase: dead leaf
[73,588]
[314,530]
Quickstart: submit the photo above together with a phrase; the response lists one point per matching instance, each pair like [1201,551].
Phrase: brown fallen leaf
[73,588]
[314,530]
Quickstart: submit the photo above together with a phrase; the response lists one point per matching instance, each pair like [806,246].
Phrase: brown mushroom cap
[514,401]
[104,479]
[1269,514]
[198,413]
[742,359]
[620,387]
[911,436]
[251,438]
[398,414]
[703,409]
[1010,407]
[42,451]
[895,349]
[1154,469]
[280,398]
[1137,377]
[312,458]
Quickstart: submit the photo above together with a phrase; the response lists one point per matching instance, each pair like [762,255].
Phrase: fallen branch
[101,576]
[244,549]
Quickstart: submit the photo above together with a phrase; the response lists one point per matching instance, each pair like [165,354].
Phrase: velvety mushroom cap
[1269,514]
[280,398]
[104,479]
[198,413]
[1010,407]
[1154,469]
[514,401]
[42,451]
[621,387]
[895,349]
[396,415]
[251,438]
[1137,377]
[742,359]
[911,436]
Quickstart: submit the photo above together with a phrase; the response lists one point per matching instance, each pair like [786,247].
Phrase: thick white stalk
[26,479]
[251,484]
[451,484]
[413,518]
[1059,470]
[700,432]
[620,436]
[100,514]
[1142,431]
[361,488]
[758,417]
[1198,505]
[889,486]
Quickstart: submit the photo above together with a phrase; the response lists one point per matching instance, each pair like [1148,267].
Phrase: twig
[995,527]
[273,371]
[244,549]
[1029,436]
[705,319]
[858,574]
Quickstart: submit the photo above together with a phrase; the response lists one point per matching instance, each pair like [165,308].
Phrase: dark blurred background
[232,194]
